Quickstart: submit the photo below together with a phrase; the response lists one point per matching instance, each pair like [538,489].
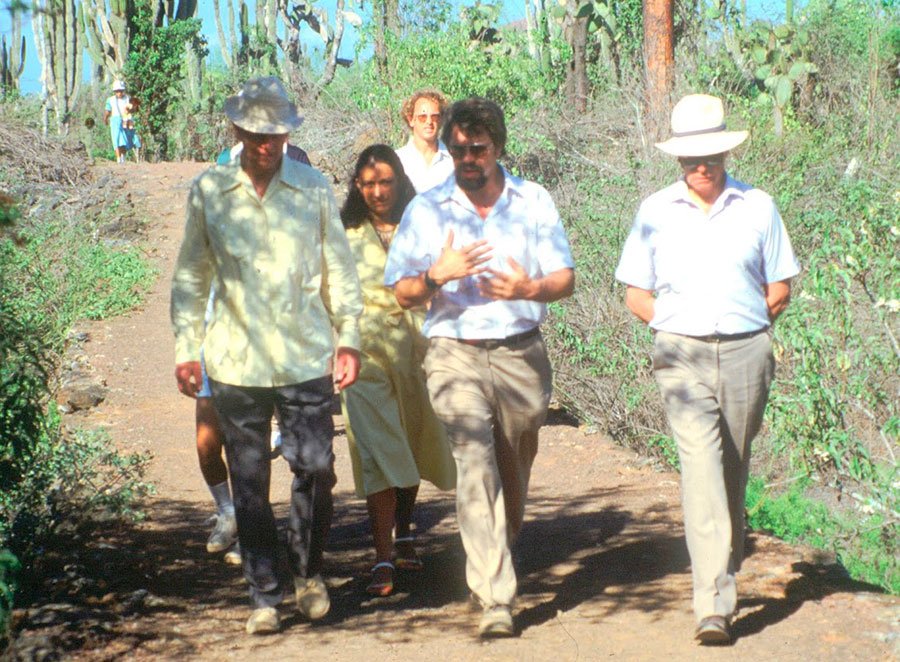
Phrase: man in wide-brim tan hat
[265,231]
[708,265]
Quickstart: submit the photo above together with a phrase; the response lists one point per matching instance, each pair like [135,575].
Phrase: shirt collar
[733,188]
[512,187]
[442,153]
[236,176]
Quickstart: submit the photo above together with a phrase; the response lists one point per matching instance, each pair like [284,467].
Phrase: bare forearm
[640,302]
[778,296]
[412,291]
[554,286]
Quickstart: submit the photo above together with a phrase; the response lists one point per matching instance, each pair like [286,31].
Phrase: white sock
[222,496]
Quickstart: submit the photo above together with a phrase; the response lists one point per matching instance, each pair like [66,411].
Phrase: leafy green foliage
[459,66]
[51,274]
[778,58]
[9,569]
[155,70]
[867,546]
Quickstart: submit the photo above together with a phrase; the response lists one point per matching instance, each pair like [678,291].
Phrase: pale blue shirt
[523,224]
[423,175]
[708,270]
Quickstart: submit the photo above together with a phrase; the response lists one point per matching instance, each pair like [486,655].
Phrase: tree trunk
[333,47]
[577,86]
[44,49]
[381,8]
[186,9]
[659,64]
[220,31]
[529,29]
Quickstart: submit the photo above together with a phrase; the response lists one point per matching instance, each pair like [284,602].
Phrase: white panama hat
[262,106]
[118,85]
[698,128]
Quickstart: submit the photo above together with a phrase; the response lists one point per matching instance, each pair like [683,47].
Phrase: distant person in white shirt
[708,265]
[488,251]
[424,157]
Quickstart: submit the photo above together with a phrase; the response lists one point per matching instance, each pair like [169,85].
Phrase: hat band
[698,132]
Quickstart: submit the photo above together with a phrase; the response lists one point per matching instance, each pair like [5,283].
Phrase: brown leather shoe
[713,631]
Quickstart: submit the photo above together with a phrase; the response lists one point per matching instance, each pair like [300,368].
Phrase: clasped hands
[454,264]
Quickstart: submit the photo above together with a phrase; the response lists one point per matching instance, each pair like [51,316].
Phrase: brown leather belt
[725,337]
[494,343]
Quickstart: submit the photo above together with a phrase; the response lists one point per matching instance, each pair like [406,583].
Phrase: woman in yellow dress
[395,438]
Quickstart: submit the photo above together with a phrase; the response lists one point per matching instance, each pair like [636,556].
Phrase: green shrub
[9,570]
[54,271]
[866,542]
[459,67]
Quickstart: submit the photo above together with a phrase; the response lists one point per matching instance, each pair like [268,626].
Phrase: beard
[472,184]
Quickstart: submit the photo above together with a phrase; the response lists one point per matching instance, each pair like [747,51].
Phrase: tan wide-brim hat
[262,106]
[698,128]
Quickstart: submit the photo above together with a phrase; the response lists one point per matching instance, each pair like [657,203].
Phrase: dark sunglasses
[459,151]
[694,162]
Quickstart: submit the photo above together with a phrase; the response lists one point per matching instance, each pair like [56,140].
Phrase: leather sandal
[406,557]
[382,583]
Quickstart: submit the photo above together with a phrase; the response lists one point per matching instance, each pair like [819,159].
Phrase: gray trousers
[303,412]
[714,395]
[492,403]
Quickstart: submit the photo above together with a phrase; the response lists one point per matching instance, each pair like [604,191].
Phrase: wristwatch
[430,282]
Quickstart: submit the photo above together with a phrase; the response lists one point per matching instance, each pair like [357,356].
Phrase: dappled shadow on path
[814,583]
[123,588]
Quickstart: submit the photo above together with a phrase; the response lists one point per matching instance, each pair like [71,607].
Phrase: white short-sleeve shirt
[425,176]
[523,224]
[708,270]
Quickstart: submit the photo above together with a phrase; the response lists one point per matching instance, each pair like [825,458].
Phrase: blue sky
[30,79]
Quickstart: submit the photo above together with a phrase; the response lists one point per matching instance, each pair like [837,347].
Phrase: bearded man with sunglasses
[708,265]
[488,251]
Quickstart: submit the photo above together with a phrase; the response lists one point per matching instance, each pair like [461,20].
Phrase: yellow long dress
[394,436]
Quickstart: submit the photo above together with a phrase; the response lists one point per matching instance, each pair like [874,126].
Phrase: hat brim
[235,110]
[703,144]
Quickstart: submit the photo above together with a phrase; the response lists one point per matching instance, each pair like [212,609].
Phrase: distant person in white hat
[119,115]
[268,236]
[708,265]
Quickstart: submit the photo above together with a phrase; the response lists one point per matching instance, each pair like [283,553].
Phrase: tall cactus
[12,62]
[57,36]
[105,34]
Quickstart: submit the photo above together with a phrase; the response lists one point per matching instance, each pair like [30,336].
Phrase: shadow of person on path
[816,581]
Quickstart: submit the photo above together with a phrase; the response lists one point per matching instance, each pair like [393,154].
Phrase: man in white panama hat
[265,231]
[708,265]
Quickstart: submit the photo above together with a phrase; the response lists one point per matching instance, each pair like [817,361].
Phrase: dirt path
[602,561]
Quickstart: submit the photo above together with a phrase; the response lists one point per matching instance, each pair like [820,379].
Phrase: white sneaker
[312,597]
[263,621]
[233,555]
[496,621]
[223,535]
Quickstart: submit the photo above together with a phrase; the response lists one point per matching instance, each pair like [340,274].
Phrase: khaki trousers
[714,395]
[492,403]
